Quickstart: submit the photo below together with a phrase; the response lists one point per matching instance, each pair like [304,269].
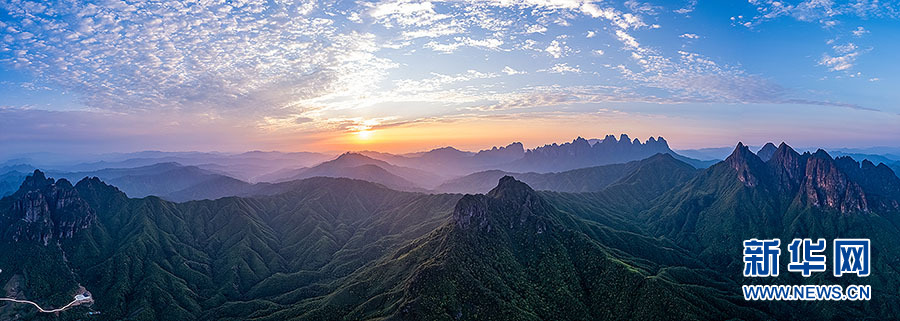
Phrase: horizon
[85,158]
[405,76]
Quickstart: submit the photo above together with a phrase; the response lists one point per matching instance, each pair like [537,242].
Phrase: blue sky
[409,75]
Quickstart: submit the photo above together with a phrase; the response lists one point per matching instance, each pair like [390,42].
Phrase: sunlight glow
[365,134]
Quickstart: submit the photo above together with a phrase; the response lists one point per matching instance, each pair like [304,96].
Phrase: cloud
[860,31]
[824,12]
[688,8]
[247,57]
[843,59]
[562,69]
[510,71]
[689,36]
[555,49]
[459,42]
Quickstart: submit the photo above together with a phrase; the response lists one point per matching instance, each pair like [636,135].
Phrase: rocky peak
[766,152]
[512,204]
[746,164]
[511,189]
[787,167]
[43,209]
[826,185]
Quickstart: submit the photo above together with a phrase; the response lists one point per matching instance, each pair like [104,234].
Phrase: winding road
[42,309]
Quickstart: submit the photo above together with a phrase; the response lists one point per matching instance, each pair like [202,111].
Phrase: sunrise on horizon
[436,160]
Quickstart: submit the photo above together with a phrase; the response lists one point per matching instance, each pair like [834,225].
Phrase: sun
[365,134]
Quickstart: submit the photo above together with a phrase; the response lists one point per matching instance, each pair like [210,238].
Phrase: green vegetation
[660,242]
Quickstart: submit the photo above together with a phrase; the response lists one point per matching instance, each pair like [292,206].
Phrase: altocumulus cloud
[313,65]
[189,56]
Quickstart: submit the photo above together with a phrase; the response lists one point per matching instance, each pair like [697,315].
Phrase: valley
[652,235]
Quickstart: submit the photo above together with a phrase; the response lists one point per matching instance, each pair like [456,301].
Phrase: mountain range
[581,153]
[590,179]
[660,241]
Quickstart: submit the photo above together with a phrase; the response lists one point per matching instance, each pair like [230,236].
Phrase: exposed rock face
[826,186]
[746,164]
[512,204]
[44,209]
[817,180]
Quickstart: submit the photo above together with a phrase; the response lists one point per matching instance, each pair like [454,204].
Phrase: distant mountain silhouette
[358,166]
[580,154]
[159,179]
[451,161]
[590,179]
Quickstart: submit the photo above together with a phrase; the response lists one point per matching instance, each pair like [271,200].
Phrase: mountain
[244,166]
[580,154]
[660,242]
[150,259]
[452,161]
[9,182]
[790,195]
[44,209]
[766,152]
[163,179]
[358,166]
[591,179]
[513,255]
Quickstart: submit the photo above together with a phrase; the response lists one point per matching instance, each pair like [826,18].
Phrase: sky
[403,76]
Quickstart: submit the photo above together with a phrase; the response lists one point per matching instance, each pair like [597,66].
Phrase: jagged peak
[784,153]
[352,155]
[821,153]
[35,181]
[866,164]
[510,188]
[745,163]
[767,151]
[740,152]
[512,204]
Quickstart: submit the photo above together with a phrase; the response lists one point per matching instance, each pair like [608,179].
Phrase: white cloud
[491,44]
[843,59]
[688,8]
[159,55]
[562,69]
[510,71]
[557,49]
[627,39]
[689,36]
[824,12]
[839,63]
[860,31]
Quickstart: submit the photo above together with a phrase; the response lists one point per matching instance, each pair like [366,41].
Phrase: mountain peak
[512,204]
[510,188]
[746,164]
[36,180]
[44,209]
[766,152]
